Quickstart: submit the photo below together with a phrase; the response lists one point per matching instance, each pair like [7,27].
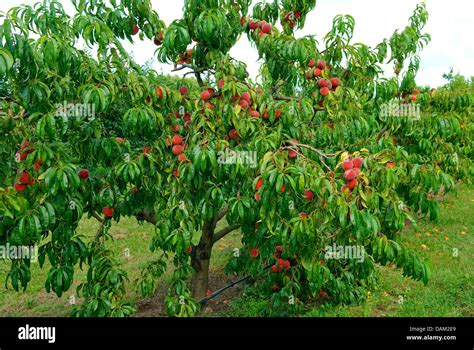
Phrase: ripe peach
[83,174]
[108,212]
[177,149]
[349,175]
[177,140]
[358,162]
[233,134]
[267,28]
[183,90]
[257,197]
[255,114]
[254,253]
[351,184]
[244,104]
[308,194]
[205,95]
[252,25]
[347,164]
[357,171]
[335,83]
[20,187]
[245,96]
[24,178]
[292,153]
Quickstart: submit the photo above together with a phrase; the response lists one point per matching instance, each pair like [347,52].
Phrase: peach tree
[298,160]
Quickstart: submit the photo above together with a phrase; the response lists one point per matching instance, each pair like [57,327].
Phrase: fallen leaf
[446,238]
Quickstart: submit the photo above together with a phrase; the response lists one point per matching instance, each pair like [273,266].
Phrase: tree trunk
[201,258]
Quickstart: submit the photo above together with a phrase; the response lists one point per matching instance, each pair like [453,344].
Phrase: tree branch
[225,231]
[99,219]
[220,214]
[286,98]
[278,86]
[380,134]
[318,151]
[193,69]
[183,66]
[198,78]
[147,216]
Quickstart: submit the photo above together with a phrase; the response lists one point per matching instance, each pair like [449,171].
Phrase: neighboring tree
[330,168]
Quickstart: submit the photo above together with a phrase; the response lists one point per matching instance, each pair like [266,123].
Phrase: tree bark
[200,260]
[201,254]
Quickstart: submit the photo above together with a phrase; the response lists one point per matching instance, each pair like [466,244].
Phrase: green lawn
[450,291]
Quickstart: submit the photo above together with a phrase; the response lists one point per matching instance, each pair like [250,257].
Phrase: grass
[449,292]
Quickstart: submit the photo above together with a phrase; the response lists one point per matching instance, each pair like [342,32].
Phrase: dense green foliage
[313,108]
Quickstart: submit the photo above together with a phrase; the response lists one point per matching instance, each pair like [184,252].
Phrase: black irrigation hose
[230,285]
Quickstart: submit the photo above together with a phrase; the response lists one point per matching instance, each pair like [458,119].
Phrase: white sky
[450,25]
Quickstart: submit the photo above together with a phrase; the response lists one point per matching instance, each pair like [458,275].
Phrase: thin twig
[99,219]
[324,155]
[286,98]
